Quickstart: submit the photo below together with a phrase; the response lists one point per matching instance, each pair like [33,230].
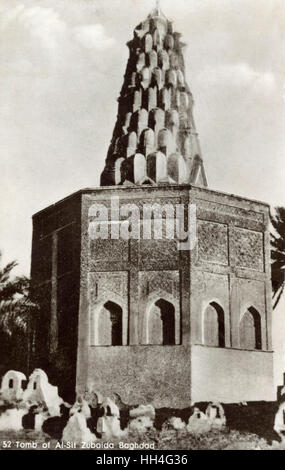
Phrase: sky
[61,69]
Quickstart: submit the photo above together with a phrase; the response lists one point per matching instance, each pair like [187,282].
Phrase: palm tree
[15,309]
[278,254]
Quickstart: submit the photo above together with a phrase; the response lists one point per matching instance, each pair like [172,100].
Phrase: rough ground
[162,440]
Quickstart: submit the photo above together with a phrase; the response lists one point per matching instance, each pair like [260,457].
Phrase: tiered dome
[155,140]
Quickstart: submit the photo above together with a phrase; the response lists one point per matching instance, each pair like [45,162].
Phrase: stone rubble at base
[41,399]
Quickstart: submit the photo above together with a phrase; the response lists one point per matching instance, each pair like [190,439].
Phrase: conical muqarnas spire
[155,139]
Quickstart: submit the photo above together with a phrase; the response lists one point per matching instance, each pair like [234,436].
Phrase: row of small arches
[149,129]
[157,41]
[149,140]
[155,98]
[157,77]
[214,328]
[156,167]
[162,326]
[163,60]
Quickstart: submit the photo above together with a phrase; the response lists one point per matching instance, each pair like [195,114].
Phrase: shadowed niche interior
[214,325]
[162,323]
[110,325]
[250,330]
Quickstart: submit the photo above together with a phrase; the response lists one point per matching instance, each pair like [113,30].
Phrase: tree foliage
[278,254]
[16,307]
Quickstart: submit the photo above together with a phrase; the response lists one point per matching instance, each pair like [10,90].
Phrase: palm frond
[10,289]
[15,303]
[14,314]
[278,296]
[278,253]
[6,271]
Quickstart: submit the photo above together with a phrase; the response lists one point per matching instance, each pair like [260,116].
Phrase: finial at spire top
[157,10]
[158,7]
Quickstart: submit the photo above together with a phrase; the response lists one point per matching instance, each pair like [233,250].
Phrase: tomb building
[147,318]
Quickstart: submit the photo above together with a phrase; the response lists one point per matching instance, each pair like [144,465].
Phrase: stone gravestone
[198,422]
[216,415]
[41,392]
[93,398]
[81,406]
[176,423]
[12,393]
[76,430]
[142,418]
[40,418]
[108,425]
[11,419]
[279,422]
[12,386]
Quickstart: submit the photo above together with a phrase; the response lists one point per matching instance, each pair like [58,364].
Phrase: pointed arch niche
[214,325]
[109,325]
[162,323]
[250,330]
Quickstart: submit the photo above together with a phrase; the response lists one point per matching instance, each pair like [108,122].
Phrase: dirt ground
[157,440]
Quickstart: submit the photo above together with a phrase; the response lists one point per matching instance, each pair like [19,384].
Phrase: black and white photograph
[142,221]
